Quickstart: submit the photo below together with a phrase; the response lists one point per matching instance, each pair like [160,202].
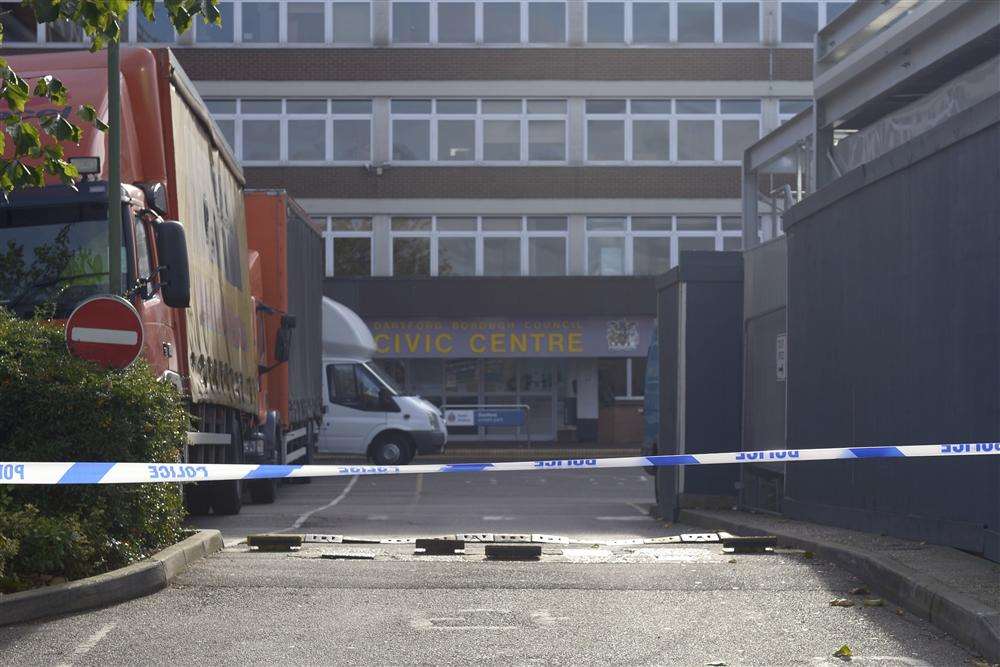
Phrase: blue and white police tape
[130,473]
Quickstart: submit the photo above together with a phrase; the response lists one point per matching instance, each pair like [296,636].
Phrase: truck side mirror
[175,278]
[283,345]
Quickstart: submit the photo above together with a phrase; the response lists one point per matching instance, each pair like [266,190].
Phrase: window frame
[672,10]
[479,32]
[821,19]
[190,38]
[330,237]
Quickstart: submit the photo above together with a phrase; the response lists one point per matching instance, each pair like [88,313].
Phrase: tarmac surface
[687,604]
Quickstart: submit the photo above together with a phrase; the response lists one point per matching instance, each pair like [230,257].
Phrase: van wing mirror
[175,278]
[283,345]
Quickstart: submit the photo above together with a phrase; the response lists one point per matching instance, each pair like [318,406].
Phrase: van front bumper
[429,442]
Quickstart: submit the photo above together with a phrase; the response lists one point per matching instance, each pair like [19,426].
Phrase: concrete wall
[894,337]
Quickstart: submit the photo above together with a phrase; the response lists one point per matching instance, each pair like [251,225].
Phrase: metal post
[114,170]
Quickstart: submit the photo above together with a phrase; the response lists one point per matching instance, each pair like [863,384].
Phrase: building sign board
[485,417]
[515,337]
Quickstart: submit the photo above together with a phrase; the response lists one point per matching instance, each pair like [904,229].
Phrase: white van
[365,413]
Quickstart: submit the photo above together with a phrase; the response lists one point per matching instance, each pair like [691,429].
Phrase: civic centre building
[498,180]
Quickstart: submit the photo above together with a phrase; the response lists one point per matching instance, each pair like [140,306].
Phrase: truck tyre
[391,449]
[197,499]
[263,491]
[226,498]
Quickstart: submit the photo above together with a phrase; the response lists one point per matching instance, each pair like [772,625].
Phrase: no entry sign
[106,330]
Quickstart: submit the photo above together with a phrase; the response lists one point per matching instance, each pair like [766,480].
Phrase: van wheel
[263,491]
[226,498]
[391,449]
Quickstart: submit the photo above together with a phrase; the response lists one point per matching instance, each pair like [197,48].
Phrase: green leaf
[87,112]
[25,137]
[15,90]
[66,172]
[46,11]
[42,86]
[101,125]
[148,9]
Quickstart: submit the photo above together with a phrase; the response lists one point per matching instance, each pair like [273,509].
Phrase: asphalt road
[675,604]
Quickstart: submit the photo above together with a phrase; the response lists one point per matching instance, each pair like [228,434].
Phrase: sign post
[106,330]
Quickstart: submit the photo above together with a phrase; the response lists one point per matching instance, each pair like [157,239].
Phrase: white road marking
[638,508]
[107,336]
[88,644]
[305,517]
[497,518]
[630,517]
[378,517]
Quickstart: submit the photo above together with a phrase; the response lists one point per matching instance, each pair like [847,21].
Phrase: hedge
[54,407]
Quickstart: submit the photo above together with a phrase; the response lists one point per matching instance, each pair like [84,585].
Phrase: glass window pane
[650,22]
[741,106]
[260,106]
[651,254]
[695,224]
[605,22]
[555,224]
[352,257]
[260,22]
[502,140]
[411,257]
[650,140]
[456,224]
[606,256]
[546,256]
[546,22]
[456,256]
[461,376]
[651,106]
[221,106]
[411,139]
[835,9]
[425,375]
[261,140]
[158,31]
[411,224]
[306,106]
[606,140]
[502,23]
[456,22]
[606,106]
[732,222]
[695,106]
[651,224]
[64,31]
[305,21]
[351,224]
[228,129]
[547,106]
[456,106]
[352,106]
[352,22]
[306,140]
[19,23]
[695,140]
[737,136]
[501,224]
[546,140]
[501,256]
[638,376]
[502,106]
[612,379]
[793,106]
[798,21]
[411,22]
[606,224]
[695,22]
[740,22]
[695,243]
[499,375]
[208,33]
[411,106]
[456,140]
[352,140]
[732,243]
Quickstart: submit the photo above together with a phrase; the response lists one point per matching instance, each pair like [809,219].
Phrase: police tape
[133,473]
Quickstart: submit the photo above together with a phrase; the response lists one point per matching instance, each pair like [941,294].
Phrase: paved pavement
[677,604]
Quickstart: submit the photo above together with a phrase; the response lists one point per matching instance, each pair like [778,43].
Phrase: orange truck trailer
[209,328]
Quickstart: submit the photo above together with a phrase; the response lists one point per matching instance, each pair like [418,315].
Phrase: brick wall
[441,64]
[501,182]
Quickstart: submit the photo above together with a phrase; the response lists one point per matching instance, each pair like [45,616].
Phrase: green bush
[54,407]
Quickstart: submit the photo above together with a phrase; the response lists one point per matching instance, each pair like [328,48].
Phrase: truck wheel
[391,449]
[263,491]
[197,499]
[226,498]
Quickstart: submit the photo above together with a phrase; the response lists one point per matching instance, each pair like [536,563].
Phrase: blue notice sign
[502,417]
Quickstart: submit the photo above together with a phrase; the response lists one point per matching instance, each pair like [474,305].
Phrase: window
[740,22]
[348,244]
[499,131]
[695,22]
[456,22]
[353,386]
[605,22]
[18,22]
[352,22]
[296,131]
[158,31]
[411,22]
[219,34]
[306,22]
[656,22]
[740,127]
[799,21]
[788,109]
[648,245]
[487,246]
[259,22]
[546,22]
[502,22]
[606,130]
[620,378]
[650,22]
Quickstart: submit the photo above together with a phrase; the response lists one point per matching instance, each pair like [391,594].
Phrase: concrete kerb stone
[142,578]
[964,618]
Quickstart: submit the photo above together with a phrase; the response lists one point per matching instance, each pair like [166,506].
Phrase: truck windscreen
[54,255]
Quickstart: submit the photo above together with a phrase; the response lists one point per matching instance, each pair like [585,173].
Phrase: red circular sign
[106,330]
